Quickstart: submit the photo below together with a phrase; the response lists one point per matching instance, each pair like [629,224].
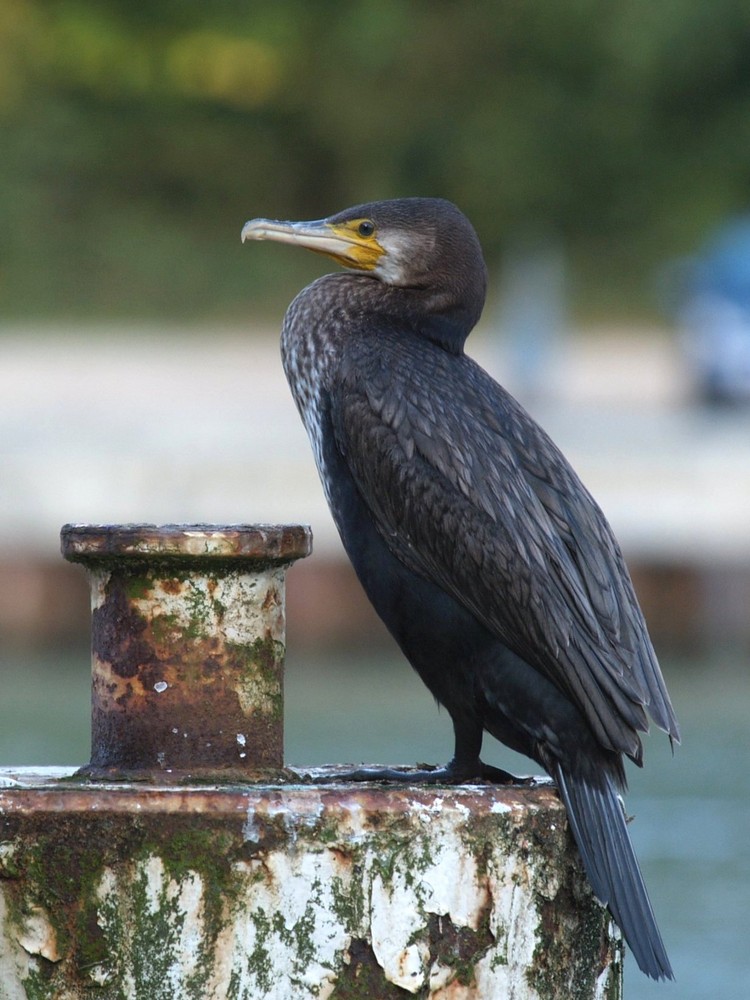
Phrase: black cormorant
[486,557]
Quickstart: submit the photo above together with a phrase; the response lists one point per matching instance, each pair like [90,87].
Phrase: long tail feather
[598,822]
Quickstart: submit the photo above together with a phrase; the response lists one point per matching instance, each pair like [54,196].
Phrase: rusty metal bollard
[187,638]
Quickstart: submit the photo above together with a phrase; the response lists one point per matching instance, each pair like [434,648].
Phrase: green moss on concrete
[197,602]
[574,978]
[259,960]
[460,948]
[260,664]
[208,853]
[164,627]
[115,887]
[62,872]
[349,903]
[138,585]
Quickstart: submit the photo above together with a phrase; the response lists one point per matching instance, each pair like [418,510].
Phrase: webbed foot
[452,773]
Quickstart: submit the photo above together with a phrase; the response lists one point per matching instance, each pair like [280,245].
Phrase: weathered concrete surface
[296,891]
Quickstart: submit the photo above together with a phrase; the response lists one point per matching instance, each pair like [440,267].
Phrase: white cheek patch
[393,266]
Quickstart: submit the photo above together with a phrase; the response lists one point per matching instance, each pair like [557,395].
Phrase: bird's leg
[465,767]
[466,764]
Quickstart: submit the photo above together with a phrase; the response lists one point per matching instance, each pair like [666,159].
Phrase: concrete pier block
[292,892]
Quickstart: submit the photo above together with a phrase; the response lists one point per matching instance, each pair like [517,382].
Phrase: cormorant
[479,547]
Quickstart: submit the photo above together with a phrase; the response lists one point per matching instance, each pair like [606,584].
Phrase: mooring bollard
[187,640]
[186,870]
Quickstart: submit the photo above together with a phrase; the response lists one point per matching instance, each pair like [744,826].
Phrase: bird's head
[423,245]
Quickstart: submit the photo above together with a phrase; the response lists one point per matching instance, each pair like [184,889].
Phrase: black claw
[497,776]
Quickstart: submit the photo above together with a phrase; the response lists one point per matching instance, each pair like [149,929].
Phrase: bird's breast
[309,358]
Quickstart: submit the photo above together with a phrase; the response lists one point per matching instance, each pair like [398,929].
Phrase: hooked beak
[341,242]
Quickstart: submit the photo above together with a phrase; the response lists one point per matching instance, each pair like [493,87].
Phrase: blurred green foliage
[136,138]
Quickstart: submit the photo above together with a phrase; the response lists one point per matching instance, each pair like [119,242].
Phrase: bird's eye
[366,228]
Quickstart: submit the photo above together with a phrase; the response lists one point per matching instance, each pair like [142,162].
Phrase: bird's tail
[598,822]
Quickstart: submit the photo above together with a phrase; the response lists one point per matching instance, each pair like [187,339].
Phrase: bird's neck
[432,314]
[338,308]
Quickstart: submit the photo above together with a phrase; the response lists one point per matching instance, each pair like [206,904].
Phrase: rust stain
[184,710]
[118,632]
[170,697]
[171,690]
[257,544]
[271,600]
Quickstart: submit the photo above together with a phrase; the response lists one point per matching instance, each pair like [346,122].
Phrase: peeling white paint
[320,879]
[8,849]
[177,908]
[500,807]
[293,820]
[394,922]
[37,936]
[603,990]
[15,962]
[100,975]
[239,605]
[288,940]
[455,887]
[250,828]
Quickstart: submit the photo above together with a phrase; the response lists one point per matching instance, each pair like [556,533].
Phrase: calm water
[692,828]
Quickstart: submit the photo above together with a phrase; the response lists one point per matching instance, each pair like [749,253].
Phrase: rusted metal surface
[188,636]
[251,544]
[291,892]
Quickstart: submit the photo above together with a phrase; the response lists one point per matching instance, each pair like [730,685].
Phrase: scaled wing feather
[472,494]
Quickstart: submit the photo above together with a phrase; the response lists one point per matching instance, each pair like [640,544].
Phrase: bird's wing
[467,490]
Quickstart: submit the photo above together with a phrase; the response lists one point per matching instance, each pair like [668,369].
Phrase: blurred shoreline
[169,424]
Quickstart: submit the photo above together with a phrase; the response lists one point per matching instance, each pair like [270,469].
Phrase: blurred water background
[604,157]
